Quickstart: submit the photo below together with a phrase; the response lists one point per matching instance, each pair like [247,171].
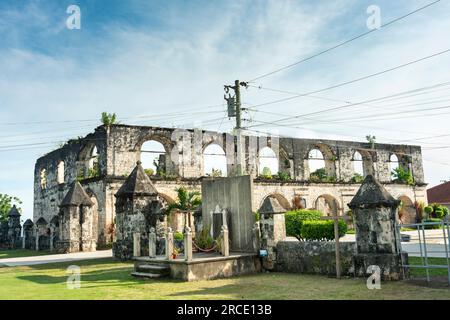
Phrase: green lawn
[416,272]
[109,279]
[18,253]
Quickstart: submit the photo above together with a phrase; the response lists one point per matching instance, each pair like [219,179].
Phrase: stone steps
[149,270]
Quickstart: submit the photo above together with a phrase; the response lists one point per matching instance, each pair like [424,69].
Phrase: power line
[343,43]
[355,80]
[358,103]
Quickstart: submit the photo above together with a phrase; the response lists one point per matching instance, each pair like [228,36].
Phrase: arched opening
[153,157]
[317,166]
[328,205]
[43,178]
[60,172]
[406,210]
[214,161]
[88,162]
[393,165]
[281,200]
[267,162]
[358,167]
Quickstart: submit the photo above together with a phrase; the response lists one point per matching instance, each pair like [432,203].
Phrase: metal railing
[425,236]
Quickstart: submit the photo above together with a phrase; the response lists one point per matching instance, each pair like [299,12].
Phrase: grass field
[109,279]
[18,253]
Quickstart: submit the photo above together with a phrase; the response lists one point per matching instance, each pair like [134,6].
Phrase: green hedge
[295,219]
[321,230]
[436,226]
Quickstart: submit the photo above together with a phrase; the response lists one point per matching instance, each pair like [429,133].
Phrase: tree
[187,201]
[371,139]
[108,118]
[6,203]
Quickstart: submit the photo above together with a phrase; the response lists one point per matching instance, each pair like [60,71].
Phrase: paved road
[28,261]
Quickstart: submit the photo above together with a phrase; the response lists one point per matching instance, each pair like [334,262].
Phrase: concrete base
[390,265]
[206,266]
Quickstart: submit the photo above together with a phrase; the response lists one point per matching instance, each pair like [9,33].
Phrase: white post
[224,217]
[136,244]
[152,243]
[225,246]
[169,243]
[187,244]
[23,241]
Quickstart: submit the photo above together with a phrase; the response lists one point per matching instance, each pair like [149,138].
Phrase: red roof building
[440,194]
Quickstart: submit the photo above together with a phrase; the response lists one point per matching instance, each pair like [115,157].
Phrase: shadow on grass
[106,270]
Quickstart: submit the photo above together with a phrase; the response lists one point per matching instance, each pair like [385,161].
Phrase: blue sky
[139,58]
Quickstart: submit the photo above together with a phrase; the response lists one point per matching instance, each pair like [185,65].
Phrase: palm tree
[187,201]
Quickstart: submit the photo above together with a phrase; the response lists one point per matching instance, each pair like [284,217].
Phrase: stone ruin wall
[119,148]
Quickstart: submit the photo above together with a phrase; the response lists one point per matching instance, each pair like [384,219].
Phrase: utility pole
[235,110]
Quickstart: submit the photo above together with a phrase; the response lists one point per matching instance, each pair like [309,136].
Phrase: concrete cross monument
[225,245]
[152,243]
[187,244]
[136,244]
[169,243]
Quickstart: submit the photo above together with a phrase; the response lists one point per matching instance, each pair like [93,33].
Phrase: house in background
[440,194]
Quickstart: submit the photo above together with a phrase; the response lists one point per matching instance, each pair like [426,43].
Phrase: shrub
[178,236]
[295,219]
[149,172]
[446,211]
[428,210]
[403,176]
[319,175]
[357,178]
[204,240]
[436,226]
[257,216]
[321,230]
[266,173]
[283,176]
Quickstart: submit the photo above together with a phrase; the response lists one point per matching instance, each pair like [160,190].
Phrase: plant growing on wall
[108,118]
[266,173]
[320,175]
[94,171]
[402,176]
[357,178]
[283,176]
[149,172]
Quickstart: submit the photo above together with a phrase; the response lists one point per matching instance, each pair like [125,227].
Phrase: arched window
[60,172]
[152,157]
[315,160]
[93,166]
[43,178]
[393,164]
[358,166]
[268,162]
[214,161]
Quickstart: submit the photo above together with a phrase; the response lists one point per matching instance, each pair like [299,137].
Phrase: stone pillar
[187,244]
[256,237]
[375,215]
[136,244]
[169,243]
[36,239]
[51,238]
[23,241]
[225,245]
[152,243]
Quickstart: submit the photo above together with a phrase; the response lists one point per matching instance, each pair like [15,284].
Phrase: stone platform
[204,266]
